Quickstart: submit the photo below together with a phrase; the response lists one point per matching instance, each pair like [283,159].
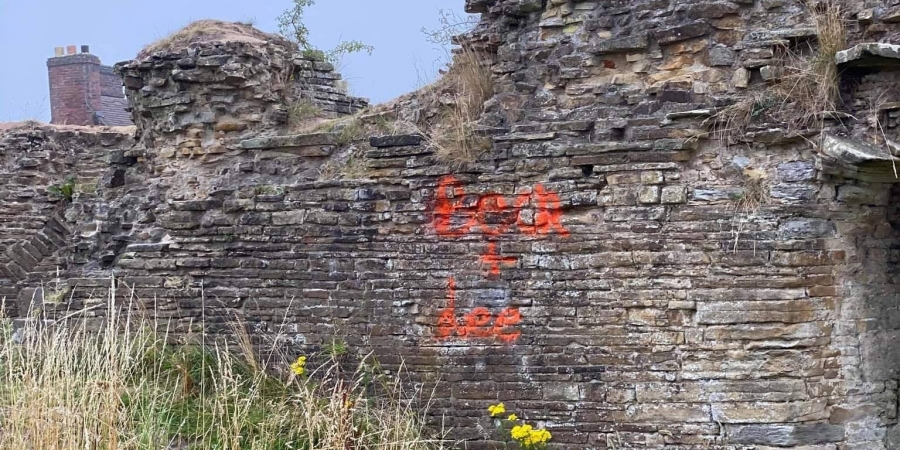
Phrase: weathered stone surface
[618,45]
[297,140]
[682,32]
[786,435]
[721,55]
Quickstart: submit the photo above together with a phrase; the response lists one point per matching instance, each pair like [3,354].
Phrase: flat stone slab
[858,160]
[293,140]
[313,144]
[400,140]
[853,151]
[872,54]
[787,435]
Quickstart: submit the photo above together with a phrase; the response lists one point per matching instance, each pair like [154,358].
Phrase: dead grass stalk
[455,139]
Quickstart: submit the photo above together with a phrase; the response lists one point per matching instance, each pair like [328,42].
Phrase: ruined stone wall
[40,167]
[202,99]
[601,269]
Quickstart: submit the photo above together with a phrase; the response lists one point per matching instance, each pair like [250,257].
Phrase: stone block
[767,412]
[401,140]
[652,177]
[673,195]
[674,34]
[741,78]
[649,195]
[721,56]
[289,217]
[785,435]
[561,391]
[620,45]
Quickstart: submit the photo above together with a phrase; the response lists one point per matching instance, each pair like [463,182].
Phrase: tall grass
[67,387]
[806,87]
[810,88]
[455,139]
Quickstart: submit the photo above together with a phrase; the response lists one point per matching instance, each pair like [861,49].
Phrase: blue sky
[117,29]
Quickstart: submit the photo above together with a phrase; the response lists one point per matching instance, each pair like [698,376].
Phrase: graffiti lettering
[492,215]
[479,323]
[458,214]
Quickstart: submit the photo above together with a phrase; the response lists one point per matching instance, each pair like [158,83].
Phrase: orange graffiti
[493,260]
[445,209]
[507,318]
[447,319]
[492,215]
[457,214]
[547,218]
[479,323]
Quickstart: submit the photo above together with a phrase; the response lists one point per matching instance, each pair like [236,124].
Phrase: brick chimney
[75,86]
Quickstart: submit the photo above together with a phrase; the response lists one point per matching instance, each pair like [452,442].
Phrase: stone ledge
[313,144]
[857,160]
[401,140]
[872,54]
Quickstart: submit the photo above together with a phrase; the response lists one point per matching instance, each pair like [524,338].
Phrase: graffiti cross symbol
[493,260]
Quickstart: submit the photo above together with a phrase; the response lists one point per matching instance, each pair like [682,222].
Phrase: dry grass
[470,85]
[810,88]
[350,162]
[807,89]
[209,31]
[731,122]
[300,111]
[755,194]
[65,387]
[746,206]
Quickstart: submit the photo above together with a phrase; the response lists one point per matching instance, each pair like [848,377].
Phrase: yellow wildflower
[542,436]
[497,409]
[299,366]
[536,437]
[512,418]
[520,432]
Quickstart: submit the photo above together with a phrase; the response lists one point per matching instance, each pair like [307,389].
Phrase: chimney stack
[75,86]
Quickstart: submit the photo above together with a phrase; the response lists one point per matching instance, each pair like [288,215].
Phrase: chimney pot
[70,50]
[59,51]
[85,49]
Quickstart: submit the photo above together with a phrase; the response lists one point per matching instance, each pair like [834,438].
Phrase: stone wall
[38,222]
[203,99]
[602,269]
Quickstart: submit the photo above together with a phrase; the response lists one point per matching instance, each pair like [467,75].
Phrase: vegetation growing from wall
[455,137]
[64,191]
[804,88]
[292,26]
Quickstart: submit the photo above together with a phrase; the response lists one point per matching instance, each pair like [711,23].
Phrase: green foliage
[760,106]
[65,190]
[292,26]
[337,348]
[266,189]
